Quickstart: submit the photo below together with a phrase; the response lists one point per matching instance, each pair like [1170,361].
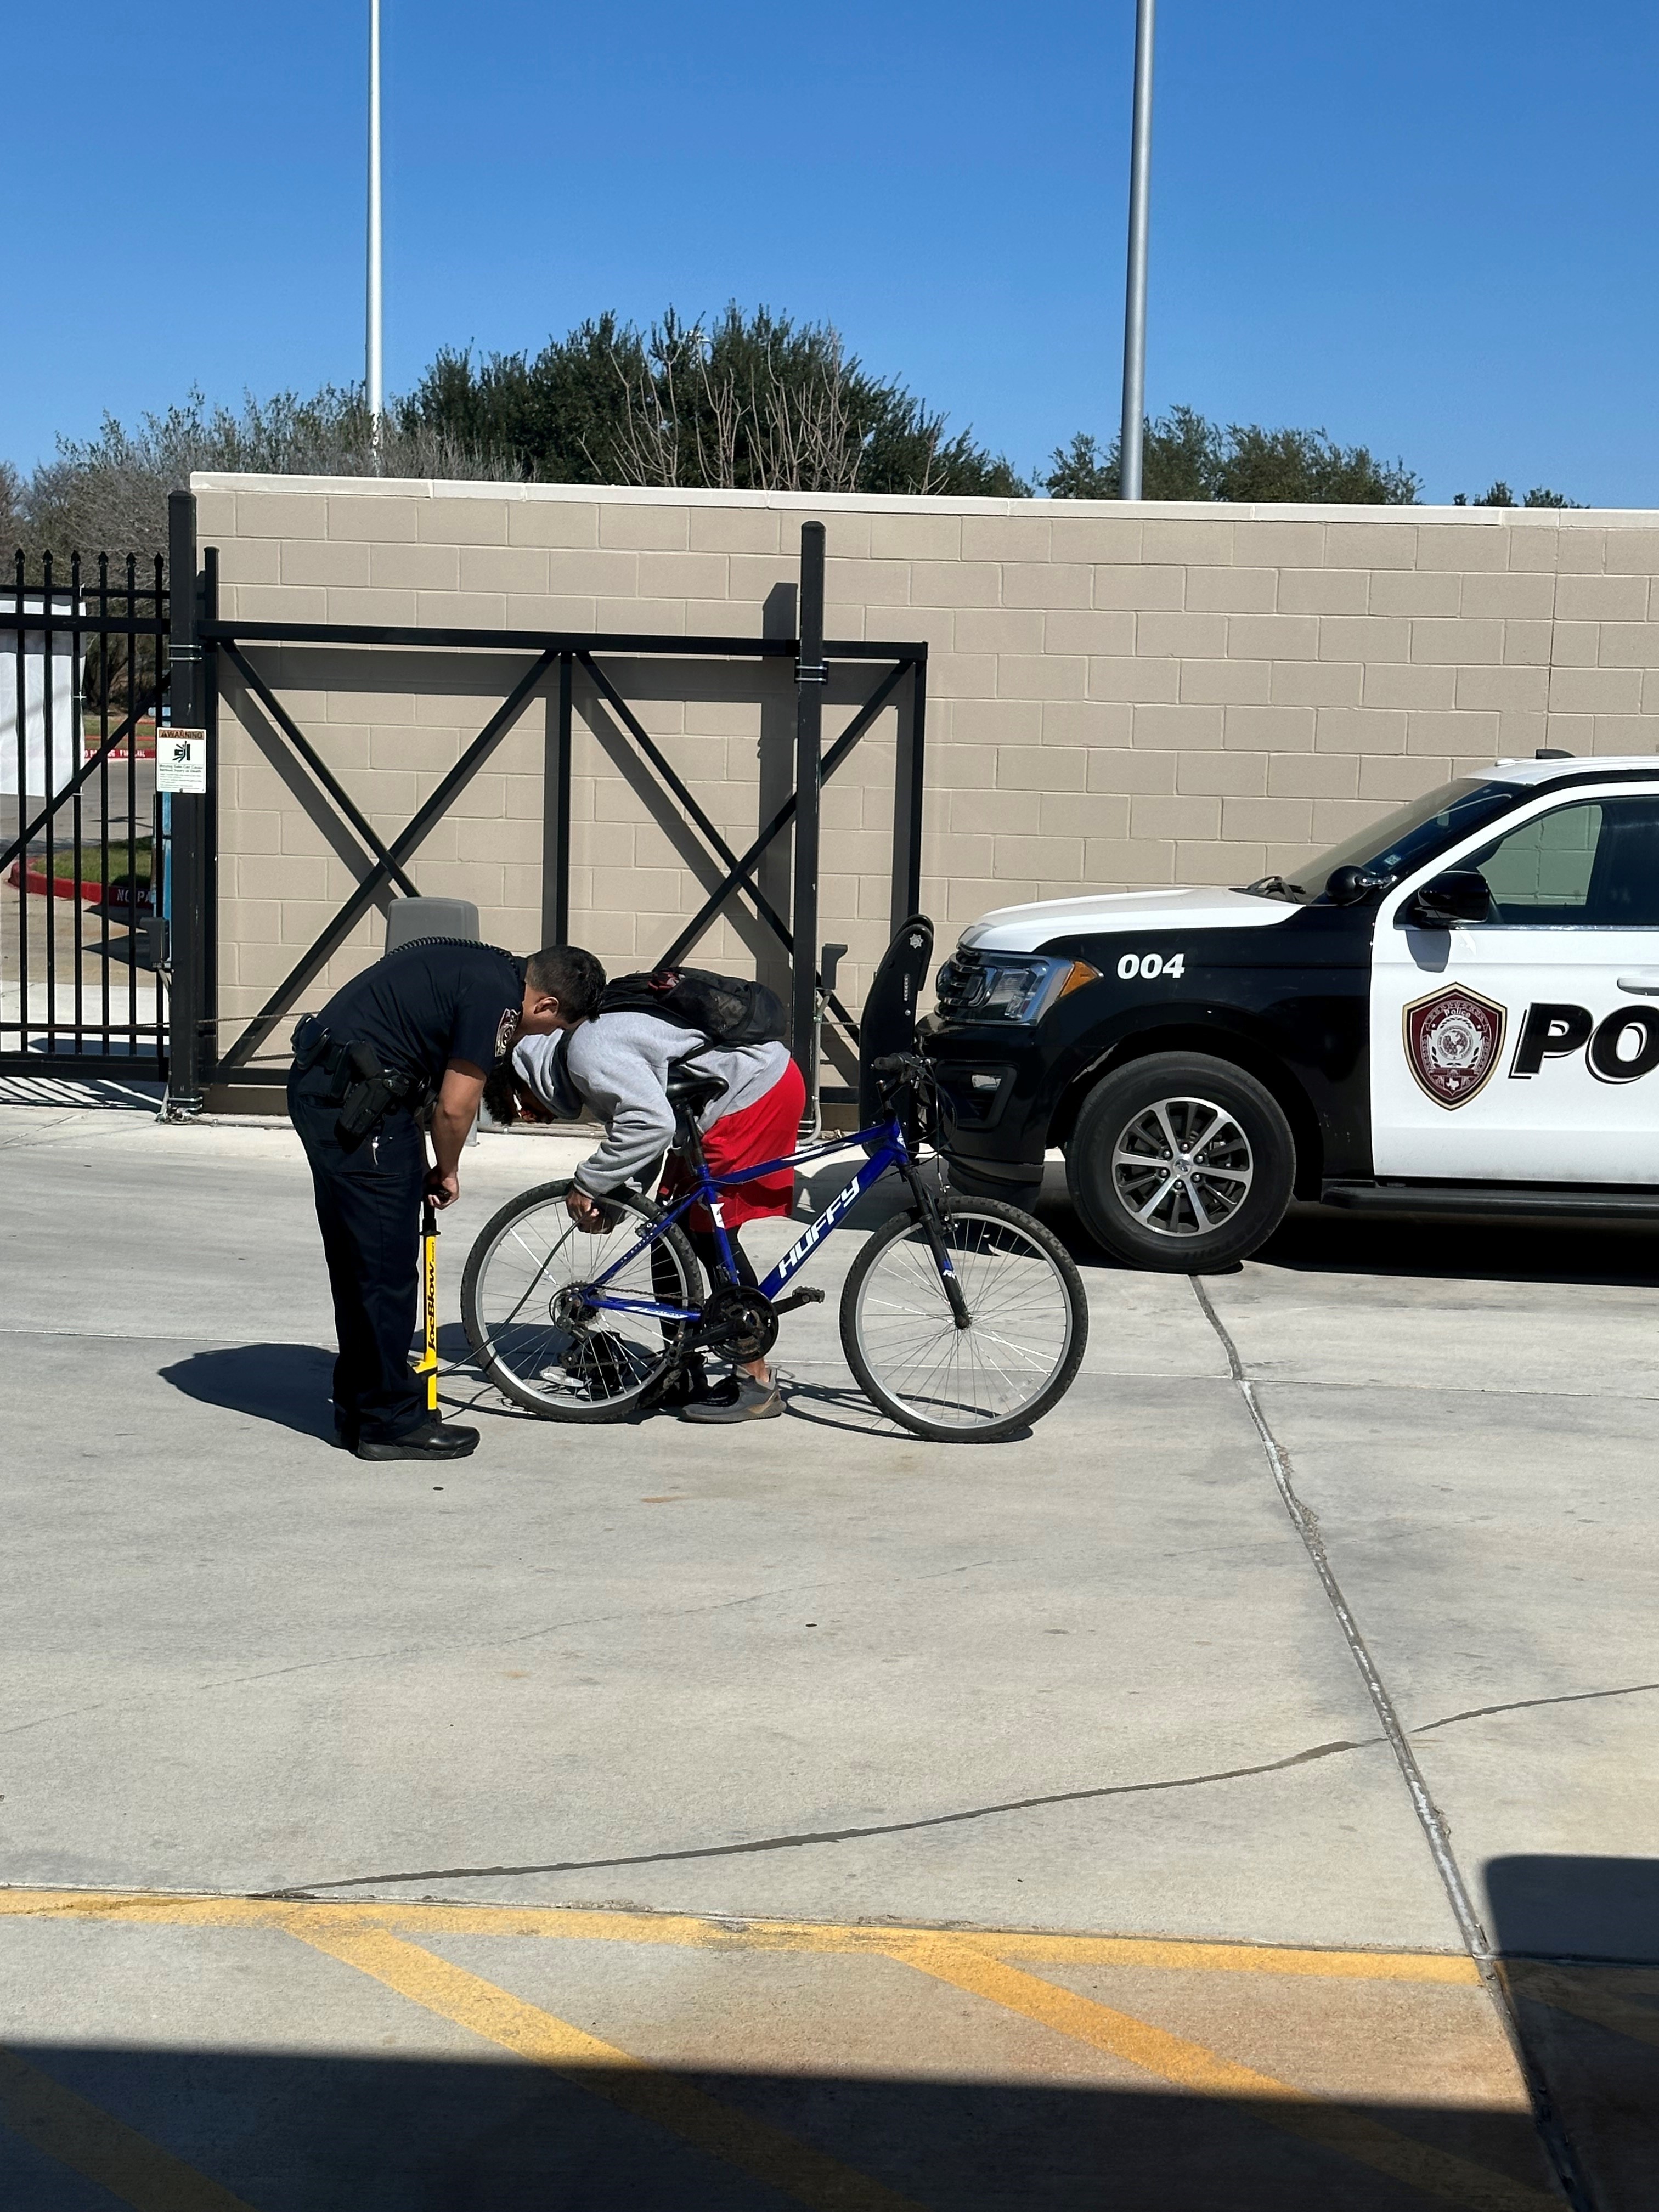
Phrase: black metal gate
[84,674]
[108,949]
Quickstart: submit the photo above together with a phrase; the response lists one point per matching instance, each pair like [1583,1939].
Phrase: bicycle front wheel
[1028,1323]
[533,1335]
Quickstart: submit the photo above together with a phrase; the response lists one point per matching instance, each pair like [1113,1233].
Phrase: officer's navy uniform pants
[368,1208]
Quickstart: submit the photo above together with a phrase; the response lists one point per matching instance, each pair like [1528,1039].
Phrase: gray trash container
[409,918]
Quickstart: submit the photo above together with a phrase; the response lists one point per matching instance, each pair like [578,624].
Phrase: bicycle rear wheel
[525,1318]
[1028,1323]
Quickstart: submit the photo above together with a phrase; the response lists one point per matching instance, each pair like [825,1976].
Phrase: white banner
[42,778]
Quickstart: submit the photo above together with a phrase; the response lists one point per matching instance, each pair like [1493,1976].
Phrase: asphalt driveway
[1314,1627]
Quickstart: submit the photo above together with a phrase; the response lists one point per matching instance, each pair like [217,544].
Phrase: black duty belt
[358,1084]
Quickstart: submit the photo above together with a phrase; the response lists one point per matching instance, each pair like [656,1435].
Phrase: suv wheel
[1180,1163]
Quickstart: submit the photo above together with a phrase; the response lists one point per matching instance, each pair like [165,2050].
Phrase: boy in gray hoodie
[619,1065]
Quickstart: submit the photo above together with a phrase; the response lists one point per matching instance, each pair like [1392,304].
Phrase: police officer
[423,1026]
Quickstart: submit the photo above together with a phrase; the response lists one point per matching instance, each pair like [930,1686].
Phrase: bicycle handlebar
[899,1071]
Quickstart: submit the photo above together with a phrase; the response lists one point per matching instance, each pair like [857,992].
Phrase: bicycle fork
[928,1213]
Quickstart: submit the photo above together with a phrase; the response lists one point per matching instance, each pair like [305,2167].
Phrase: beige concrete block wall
[1117,695]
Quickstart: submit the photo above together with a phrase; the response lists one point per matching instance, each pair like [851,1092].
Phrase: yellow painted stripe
[685,1929]
[95,2144]
[739,2139]
[1193,2066]
[1445,1968]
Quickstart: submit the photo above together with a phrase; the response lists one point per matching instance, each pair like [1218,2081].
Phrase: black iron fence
[84,676]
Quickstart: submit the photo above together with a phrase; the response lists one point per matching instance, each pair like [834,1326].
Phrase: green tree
[746,402]
[110,493]
[1499,494]
[1186,457]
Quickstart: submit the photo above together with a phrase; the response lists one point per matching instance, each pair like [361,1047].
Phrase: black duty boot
[433,1440]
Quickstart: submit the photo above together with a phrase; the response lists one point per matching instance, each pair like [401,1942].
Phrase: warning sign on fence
[180,760]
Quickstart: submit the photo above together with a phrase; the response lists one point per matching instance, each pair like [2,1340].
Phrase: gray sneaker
[739,1398]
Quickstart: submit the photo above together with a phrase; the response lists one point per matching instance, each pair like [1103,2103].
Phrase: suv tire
[1180,1163]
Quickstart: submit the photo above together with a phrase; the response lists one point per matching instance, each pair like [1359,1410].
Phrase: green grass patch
[124,859]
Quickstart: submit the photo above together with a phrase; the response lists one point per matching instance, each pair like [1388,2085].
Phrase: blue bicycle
[963,1318]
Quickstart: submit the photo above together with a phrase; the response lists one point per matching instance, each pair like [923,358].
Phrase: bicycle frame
[886,1147]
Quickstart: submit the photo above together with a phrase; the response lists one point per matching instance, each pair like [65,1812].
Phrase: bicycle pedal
[807,1298]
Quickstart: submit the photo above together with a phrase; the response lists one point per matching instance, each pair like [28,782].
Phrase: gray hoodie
[620,1062]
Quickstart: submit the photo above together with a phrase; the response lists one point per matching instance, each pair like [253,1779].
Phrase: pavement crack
[806,1840]
[1529,1705]
[1551,2134]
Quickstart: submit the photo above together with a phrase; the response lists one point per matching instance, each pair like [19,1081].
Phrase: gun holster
[369,1090]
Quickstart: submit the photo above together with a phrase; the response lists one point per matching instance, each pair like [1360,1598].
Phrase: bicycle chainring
[737,1323]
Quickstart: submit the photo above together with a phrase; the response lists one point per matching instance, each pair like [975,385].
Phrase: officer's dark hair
[569,975]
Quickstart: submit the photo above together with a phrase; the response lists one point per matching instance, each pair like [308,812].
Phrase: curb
[91,894]
[59,886]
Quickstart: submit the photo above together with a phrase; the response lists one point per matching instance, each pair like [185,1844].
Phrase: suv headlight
[1007,988]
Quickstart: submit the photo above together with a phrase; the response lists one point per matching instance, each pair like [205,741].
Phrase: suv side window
[1624,886]
[1594,865]
[1541,874]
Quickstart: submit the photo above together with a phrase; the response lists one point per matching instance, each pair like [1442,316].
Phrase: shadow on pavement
[320,2134]
[289,1385]
[1327,1240]
[1324,1241]
[292,1384]
[1580,1942]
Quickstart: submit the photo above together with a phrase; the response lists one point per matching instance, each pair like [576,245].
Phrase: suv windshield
[1401,840]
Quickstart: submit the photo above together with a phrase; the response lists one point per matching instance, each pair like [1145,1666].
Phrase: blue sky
[1429,225]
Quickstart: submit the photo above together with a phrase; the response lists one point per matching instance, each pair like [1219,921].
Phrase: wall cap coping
[802,502]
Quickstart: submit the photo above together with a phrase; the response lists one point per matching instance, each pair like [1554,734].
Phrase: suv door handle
[1644,984]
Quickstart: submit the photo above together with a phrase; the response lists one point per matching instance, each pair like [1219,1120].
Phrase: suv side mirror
[1347,886]
[1459,894]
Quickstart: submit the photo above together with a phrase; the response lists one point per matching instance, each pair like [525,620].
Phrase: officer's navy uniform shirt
[435,1000]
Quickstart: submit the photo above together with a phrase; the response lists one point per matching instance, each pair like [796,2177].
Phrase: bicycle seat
[693,1088]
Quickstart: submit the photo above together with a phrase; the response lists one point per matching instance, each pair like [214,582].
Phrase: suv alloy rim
[1182,1167]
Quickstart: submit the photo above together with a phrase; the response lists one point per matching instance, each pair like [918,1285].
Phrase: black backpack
[728,1009]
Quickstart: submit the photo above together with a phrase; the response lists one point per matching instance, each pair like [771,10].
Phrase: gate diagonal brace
[83,776]
[408,842]
[740,870]
[319,768]
[739,874]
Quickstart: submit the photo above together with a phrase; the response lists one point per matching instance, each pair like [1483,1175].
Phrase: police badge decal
[1452,1040]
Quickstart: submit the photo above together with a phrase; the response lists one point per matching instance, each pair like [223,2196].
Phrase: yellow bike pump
[427,1365]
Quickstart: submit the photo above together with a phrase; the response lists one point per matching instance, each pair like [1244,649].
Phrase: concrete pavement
[1089,1685]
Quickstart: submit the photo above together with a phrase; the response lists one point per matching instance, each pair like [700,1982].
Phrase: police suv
[1458,1009]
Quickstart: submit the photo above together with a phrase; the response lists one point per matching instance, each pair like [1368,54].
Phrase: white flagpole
[1134,315]
[376,394]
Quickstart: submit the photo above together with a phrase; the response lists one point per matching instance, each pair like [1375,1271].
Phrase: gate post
[556,817]
[909,785]
[810,677]
[187,925]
